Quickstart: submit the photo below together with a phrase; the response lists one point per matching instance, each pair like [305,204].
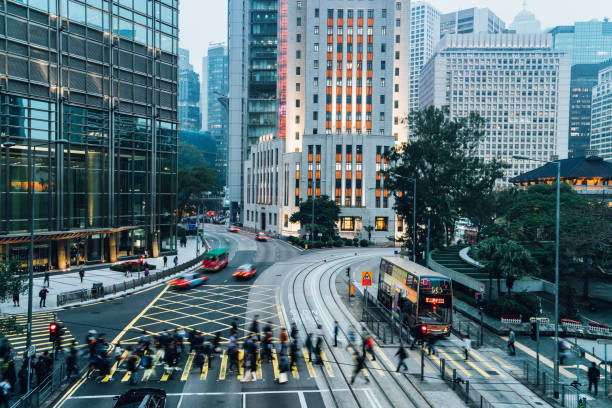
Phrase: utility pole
[427,250]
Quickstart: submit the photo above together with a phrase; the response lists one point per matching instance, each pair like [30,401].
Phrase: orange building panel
[350,21]
[369,56]
[338,124]
[360,22]
[339,39]
[358,123]
[370,22]
[369,107]
[369,74]
[340,22]
[369,90]
[330,22]
[368,124]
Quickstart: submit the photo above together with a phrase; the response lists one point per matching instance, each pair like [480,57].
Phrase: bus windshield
[435,301]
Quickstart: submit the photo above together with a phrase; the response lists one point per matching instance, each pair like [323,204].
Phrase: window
[400,224]
[298,38]
[384,13]
[347,223]
[396,71]
[383,47]
[382,116]
[297,119]
[397,39]
[396,87]
[398,5]
[316,47]
[286,216]
[298,54]
[398,22]
[315,81]
[397,55]
[383,64]
[396,104]
[316,12]
[316,30]
[297,103]
[383,31]
[297,135]
[299,22]
[315,98]
[330,13]
[298,71]
[382,82]
[297,87]
[381,223]
[315,64]
[315,115]
[299,4]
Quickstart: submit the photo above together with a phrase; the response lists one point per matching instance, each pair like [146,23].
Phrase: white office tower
[339,92]
[601,114]
[424,37]
[525,22]
[517,82]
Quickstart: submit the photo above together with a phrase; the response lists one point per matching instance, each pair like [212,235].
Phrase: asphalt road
[208,308]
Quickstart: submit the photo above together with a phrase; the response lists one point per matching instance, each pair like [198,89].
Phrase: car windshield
[245,267]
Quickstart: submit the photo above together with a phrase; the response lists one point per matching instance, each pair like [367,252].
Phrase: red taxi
[246,271]
[261,236]
[187,281]
[233,228]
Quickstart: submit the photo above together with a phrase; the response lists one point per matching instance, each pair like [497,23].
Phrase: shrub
[355,242]
[330,243]
[522,303]
[135,266]
[317,244]
[364,242]
[339,243]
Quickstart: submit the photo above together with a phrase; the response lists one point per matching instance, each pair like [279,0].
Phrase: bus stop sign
[366,278]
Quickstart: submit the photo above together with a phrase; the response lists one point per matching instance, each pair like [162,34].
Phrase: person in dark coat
[361,358]
[255,327]
[309,346]
[41,370]
[401,356]
[593,375]
[10,373]
[293,354]
[132,366]
[23,378]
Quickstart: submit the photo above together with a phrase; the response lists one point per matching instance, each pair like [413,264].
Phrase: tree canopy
[12,278]
[193,182]
[452,182]
[326,213]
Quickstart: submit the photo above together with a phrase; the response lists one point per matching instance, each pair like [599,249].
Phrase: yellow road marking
[149,371]
[187,368]
[114,367]
[448,370]
[450,360]
[378,368]
[328,366]
[311,369]
[543,359]
[294,371]
[223,367]
[483,361]
[204,369]
[259,370]
[240,364]
[126,376]
[468,362]
[275,363]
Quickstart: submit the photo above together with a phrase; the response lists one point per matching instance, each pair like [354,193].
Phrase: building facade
[472,20]
[338,77]
[89,100]
[424,37]
[517,82]
[204,93]
[601,114]
[583,79]
[217,103]
[587,42]
[525,22]
[188,94]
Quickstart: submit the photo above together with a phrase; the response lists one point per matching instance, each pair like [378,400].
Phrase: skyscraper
[100,123]
[474,73]
[472,20]
[601,132]
[424,36]
[204,93]
[217,89]
[188,94]
[584,78]
[587,42]
[525,22]
[336,108]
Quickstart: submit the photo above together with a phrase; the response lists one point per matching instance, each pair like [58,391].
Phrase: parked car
[246,271]
[188,281]
[142,398]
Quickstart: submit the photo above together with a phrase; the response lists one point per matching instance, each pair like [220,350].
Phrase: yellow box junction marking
[259,370]
[187,369]
[223,367]
[378,368]
[483,361]
[468,362]
[328,366]
[275,364]
[114,367]
[311,369]
[204,373]
[241,364]
[454,363]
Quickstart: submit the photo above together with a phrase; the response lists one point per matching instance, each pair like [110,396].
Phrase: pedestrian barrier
[99,291]
[41,393]
[571,324]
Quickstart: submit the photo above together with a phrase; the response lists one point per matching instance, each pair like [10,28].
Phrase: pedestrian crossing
[476,364]
[40,333]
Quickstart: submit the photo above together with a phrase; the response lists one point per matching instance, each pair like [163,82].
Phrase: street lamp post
[558,206]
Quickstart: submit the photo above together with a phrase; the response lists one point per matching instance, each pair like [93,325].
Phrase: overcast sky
[205,21]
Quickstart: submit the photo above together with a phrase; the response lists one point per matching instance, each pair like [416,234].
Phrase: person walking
[336,330]
[71,362]
[293,354]
[43,297]
[234,324]
[593,375]
[132,366]
[81,273]
[176,260]
[255,328]
[309,346]
[361,358]
[369,347]
[5,389]
[23,378]
[317,350]
[46,280]
[283,339]
[401,356]
[165,261]
[467,346]
[15,298]
[511,339]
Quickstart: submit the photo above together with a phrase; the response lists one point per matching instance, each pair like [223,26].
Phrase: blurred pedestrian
[165,261]
[309,346]
[255,327]
[132,367]
[43,297]
[511,339]
[593,375]
[369,347]
[15,298]
[358,368]
[71,362]
[467,346]
[46,280]
[293,354]
[5,389]
[294,331]
[81,273]
[401,356]
[336,330]
[284,339]
[176,260]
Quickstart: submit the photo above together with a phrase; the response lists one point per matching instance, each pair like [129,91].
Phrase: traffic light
[53,332]
[534,331]
[423,329]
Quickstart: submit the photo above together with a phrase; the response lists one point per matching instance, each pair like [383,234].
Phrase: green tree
[451,179]
[326,214]
[190,156]
[12,278]
[192,183]
[369,229]
[504,258]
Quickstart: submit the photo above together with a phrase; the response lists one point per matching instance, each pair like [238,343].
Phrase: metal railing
[83,295]
[38,395]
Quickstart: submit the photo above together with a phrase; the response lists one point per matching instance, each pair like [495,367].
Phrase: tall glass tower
[588,42]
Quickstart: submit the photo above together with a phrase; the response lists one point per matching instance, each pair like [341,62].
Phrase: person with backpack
[43,297]
[511,340]
[401,355]
[336,330]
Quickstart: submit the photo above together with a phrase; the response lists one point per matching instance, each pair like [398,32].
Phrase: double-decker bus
[215,260]
[416,295]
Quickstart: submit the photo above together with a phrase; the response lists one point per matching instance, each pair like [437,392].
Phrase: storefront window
[381,223]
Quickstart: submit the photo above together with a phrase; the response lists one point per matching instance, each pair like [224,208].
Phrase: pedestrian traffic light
[53,332]
[534,331]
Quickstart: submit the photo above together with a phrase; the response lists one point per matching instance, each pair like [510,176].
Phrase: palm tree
[369,230]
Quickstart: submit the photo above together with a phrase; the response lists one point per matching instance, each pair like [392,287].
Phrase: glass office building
[588,42]
[88,101]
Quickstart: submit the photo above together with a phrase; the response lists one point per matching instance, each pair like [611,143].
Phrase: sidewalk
[70,281]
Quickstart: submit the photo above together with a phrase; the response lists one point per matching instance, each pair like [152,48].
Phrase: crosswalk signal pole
[537,352]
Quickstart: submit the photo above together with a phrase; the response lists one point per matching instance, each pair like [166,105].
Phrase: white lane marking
[191,394]
[373,397]
[302,400]
[243,401]
[180,402]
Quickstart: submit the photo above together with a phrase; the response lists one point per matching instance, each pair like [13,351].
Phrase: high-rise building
[336,103]
[525,22]
[583,79]
[217,60]
[204,93]
[88,100]
[601,131]
[517,82]
[424,36]
[188,94]
[472,20]
[587,42]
